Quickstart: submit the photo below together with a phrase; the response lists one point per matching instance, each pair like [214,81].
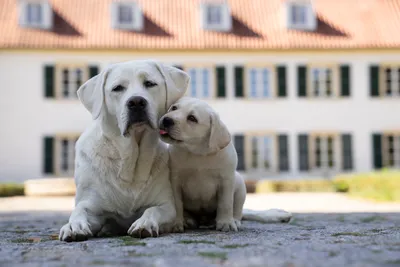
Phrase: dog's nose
[137,102]
[167,122]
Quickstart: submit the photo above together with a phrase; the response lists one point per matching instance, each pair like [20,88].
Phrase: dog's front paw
[226,225]
[75,231]
[144,227]
[190,223]
[178,227]
[238,224]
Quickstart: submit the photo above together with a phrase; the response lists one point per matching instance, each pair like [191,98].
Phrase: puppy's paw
[190,223]
[226,225]
[75,231]
[144,227]
[178,227]
[238,224]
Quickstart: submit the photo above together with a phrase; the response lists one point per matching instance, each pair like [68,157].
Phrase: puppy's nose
[136,102]
[167,122]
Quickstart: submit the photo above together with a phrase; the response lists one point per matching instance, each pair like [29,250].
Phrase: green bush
[9,190]
[306,185]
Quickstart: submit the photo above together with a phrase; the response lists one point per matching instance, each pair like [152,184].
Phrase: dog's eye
[118,88]
[149,84]
[174,108]
[192,118]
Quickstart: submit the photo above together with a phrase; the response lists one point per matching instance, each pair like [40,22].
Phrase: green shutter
[374,80]
[239,82]
[93,71]
[283,152]
[302,81]
[377,150]
[220,80]
[281,73]
[345,80]
[48,155]
[347,152]
[49,79]
[303,152]
[238,141]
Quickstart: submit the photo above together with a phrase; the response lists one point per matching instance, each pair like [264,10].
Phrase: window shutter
[283,152]
[377,150]
[302,81]
[238,141]
[49,78]
[281,73]
[220,79]
[239,83]
[347,152]
[303,152]
[93,71]
[345,80]
[374,80]
[48,155]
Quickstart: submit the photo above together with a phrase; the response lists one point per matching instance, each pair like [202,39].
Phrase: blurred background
[309,89]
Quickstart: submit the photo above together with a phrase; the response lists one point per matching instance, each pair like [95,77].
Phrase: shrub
[306,185]
[9,190]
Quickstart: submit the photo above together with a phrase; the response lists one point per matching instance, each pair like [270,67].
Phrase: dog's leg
[225,221]
[238,199]
[83,223]
[189,222]
[177,191]
[267,216]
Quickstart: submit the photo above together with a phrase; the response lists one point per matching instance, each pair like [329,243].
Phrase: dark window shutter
[48,155]
[377,150]
[302,81]
[374,80]
[238,141]
[93,71]
[220,80]
[345,80]
[283,152]
[281,73]
[347,152]
[49,79]
[179,67]
[239,82]
[303,152]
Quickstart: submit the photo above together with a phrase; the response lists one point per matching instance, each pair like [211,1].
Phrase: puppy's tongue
[162,132]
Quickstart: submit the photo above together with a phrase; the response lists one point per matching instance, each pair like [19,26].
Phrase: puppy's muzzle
[137,108]
[167,123]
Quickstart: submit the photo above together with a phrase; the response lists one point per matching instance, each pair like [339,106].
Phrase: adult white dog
[203,159]
[122,174]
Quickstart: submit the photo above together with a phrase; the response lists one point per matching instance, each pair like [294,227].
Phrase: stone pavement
[28,238]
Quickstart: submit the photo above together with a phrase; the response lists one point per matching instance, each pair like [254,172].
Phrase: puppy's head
[134,93]
[192,124]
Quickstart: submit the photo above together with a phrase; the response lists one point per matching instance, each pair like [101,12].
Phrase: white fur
[122,174]
[203,170]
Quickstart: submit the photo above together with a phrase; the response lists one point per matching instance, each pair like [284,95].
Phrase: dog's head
[134,93]
[192,124]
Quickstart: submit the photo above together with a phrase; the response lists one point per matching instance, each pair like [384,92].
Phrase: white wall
[26,116]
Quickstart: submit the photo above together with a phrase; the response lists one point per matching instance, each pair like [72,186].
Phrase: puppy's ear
[176,82]
[91,94]
[219,134]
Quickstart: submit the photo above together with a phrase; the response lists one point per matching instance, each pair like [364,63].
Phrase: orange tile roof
[175,24]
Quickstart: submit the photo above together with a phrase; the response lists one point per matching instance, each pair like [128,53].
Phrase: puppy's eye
[118,88]
[192,118]
[149,84]
[174,108]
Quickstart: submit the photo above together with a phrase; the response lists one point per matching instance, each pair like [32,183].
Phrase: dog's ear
[176,82]
[219,134]
[91,94]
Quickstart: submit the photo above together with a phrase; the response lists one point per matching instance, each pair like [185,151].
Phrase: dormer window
[216,16]
[36,14]
[127,16]
[300,15]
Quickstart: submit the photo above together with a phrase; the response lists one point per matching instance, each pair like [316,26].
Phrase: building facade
[311,98]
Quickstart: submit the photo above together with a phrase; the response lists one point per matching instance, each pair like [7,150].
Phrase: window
[126,15]
[70,78]
[201,82]
[322,84]
[36,14]
[260,82]
[262,153]
[300,15]
[391,81]
[324,152]
[216,17]
[391,150]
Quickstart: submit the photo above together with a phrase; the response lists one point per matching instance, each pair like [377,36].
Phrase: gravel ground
[348,239]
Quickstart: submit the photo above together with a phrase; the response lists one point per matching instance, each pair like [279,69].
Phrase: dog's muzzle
[137,110]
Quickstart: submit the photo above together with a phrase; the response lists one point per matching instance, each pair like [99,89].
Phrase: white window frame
[322,85]
[73,85]
[261,137]
[324,167]
[137,16]
[263,87]
[225,24]
[310,23]
[61,152]
[396,148]
[394,78]
[46,12]
[197,85]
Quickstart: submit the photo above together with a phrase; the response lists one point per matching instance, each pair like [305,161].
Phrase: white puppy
[122,174]
[203,170]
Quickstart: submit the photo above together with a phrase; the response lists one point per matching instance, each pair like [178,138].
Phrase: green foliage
[306,185]
[9,190]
